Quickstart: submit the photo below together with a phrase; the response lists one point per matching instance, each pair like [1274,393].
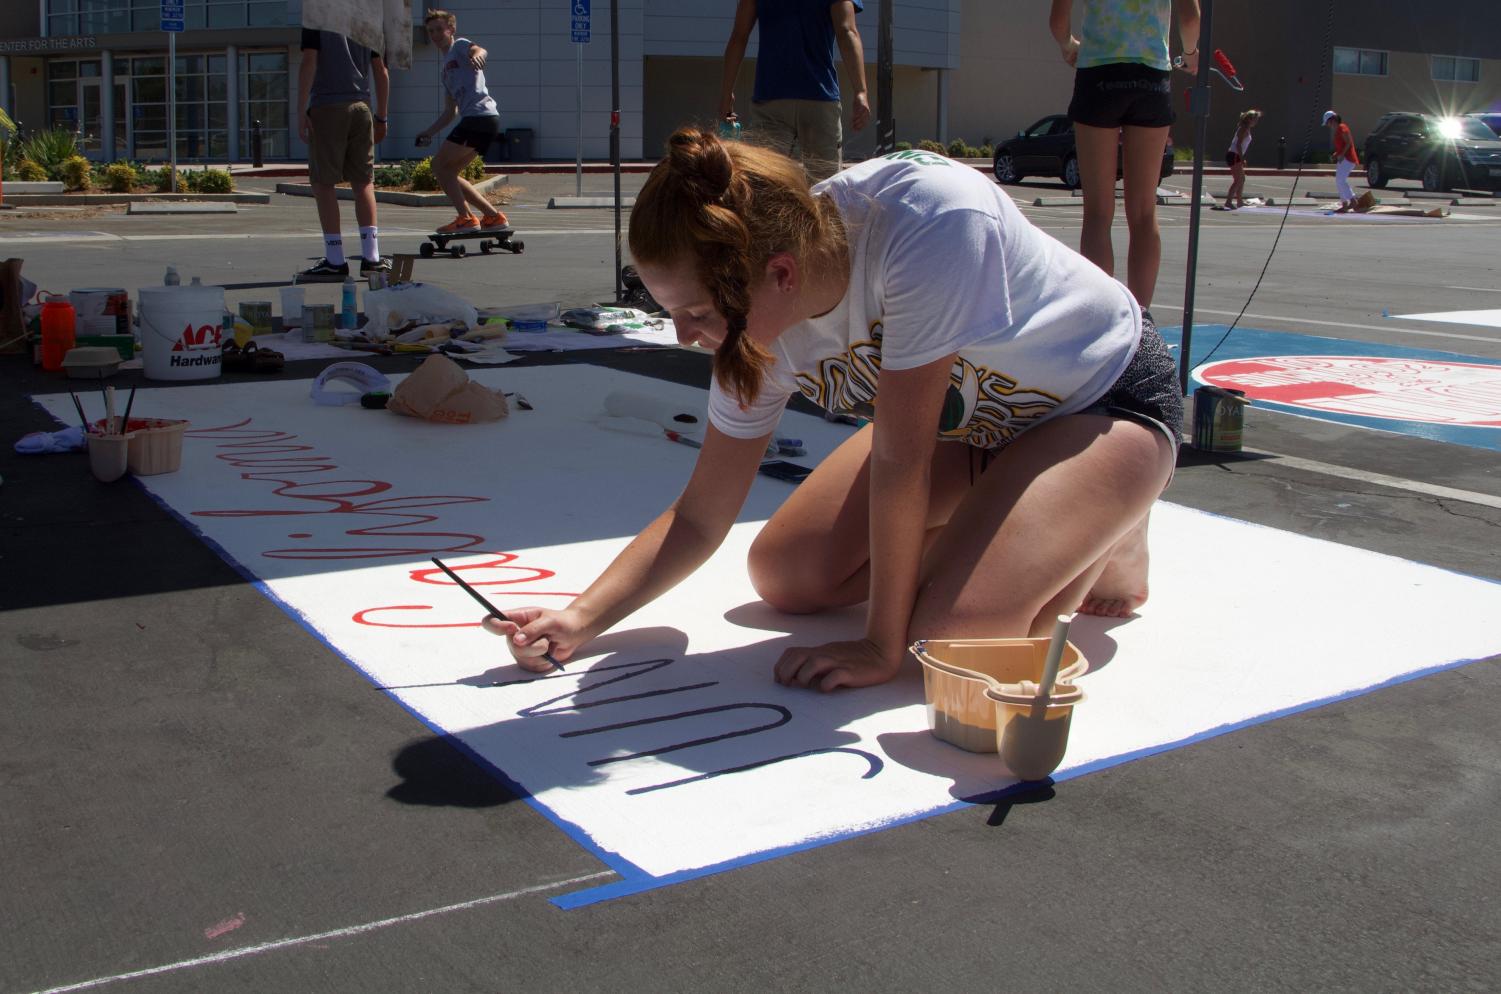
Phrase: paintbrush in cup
[125,421]
[1055,656]
[495,612]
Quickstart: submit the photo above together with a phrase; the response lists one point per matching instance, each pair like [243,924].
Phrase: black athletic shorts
[476,132]
[1122,94]
[1148,389]
[1231,158]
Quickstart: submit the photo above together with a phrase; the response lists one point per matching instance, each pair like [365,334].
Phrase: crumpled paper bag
[440,390]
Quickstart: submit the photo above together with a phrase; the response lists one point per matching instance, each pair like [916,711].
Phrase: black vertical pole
[1200,106]
[615,135]
[885,112]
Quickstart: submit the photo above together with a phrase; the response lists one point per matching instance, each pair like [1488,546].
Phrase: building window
[1359,62]
[263,97]
[74,17]
[1453,69]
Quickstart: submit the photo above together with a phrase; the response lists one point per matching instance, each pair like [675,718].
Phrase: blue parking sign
[580,10]
[172,15]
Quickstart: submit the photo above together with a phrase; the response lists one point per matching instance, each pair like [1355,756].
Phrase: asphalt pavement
[197,795]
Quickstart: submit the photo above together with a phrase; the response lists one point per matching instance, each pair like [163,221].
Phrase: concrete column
[42,5]
[232,97]
[943,106]
[107,105]
[5,85]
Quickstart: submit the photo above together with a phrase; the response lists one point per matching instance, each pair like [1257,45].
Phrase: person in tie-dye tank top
[1122,107]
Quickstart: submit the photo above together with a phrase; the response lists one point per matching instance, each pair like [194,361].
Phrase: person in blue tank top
[461,66]
[795,107]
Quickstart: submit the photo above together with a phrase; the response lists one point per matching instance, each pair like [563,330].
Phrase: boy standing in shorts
[341,132]
[466,96]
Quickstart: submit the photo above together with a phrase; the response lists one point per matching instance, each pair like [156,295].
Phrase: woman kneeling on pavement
[466,95]
[1025,408]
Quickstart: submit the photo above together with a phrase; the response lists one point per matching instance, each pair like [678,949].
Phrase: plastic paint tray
[958,672]
[155,446]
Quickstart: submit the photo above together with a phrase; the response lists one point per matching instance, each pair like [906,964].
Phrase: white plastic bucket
[181,331]
[101,311]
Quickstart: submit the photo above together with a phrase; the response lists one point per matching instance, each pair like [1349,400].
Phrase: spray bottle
[349,313]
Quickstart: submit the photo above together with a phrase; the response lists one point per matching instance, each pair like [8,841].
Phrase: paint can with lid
[1219,419]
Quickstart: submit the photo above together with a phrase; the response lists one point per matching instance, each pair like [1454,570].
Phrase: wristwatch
[380,120]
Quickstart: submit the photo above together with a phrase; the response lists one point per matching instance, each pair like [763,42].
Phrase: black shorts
[1122,94]
[1148,389]
[1231,158]
[476,132]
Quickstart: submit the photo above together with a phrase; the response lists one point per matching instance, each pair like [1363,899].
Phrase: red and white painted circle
[1448,393]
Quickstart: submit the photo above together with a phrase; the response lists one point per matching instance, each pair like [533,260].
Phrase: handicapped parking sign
[580,20]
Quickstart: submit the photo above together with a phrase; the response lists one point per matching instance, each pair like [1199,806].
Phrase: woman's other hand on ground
[858,663]
[1070,50]
[533,633]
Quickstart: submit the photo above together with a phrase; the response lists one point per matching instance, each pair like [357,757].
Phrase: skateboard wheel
[518,247]
[484,248]
[458,251]
[426,250]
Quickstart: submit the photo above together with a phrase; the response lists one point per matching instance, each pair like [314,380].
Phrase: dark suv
[1047,148]
[1443,152]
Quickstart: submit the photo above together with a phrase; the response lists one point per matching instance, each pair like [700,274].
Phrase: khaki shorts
[343,144]
[809,130]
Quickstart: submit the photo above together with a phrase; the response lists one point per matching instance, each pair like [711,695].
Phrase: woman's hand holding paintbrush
[530,654]
[540,638]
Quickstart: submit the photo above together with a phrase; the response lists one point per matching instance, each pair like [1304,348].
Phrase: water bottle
[172,279]
[729,129]
[58,329]
[349,314]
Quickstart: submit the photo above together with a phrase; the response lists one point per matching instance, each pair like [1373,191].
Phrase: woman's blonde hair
[730,206]
[1248,117]
[440,15]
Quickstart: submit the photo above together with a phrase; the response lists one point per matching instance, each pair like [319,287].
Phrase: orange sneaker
[496,220]
[464,222]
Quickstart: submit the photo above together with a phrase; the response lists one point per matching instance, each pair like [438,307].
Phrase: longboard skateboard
[490,240]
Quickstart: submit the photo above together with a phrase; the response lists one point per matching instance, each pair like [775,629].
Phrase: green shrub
[120,177]
[475,171]
[904,146]
[422,176]
[929,145]
[957,148]
[31,172]
[211,181]
[50,149]
[395,174]
[161,180]
[986,151]
[76,173]
[1183,153]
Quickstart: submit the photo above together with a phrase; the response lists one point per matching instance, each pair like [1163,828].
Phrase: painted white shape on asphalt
[1423,390]
[1382,329]
[1481,319]
[671,749]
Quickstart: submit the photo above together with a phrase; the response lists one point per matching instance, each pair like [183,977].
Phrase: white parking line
[338,933]
[1386,329]
[1379,479]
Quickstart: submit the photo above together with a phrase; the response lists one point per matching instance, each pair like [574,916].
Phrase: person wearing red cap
[1345,159]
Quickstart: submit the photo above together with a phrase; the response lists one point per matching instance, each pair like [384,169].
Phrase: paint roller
[669,416]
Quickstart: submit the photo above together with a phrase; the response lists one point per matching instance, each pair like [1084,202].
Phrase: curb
[398,197]
[115,199]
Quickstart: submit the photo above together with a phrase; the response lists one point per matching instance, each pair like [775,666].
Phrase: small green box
[124,344]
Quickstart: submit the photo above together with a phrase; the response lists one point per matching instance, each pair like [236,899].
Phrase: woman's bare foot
[1122,587]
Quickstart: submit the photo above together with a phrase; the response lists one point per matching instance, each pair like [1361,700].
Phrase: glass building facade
[226,78]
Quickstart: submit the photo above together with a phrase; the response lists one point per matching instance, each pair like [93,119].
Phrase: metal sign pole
[172,103]
[578,168]
[1199,102]
[581,16]
[615,134]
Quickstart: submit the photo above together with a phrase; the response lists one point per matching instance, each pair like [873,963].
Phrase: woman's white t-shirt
[943,263]
[1241,143]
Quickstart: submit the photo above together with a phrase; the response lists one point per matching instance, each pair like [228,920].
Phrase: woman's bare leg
[1096,150]
[448,163]
[1030,538]
[1142,166]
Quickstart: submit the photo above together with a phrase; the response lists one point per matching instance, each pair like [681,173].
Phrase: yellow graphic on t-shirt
[981,407]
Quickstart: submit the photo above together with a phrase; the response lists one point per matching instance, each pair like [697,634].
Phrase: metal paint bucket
[1219,419]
